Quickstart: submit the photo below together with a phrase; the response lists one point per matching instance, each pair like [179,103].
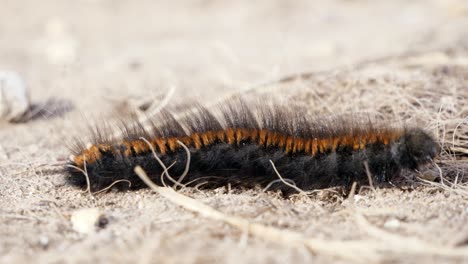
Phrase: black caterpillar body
[236,148]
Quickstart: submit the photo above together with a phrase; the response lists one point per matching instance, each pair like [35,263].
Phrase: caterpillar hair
[237,145]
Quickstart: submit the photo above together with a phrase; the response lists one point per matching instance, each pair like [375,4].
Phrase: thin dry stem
[285,182]
[165,169]
[165,172]
[85,173]
[369,175]
[187,165]
[112,184]
[276,181]
[153,111]
[349,250]
[352,192]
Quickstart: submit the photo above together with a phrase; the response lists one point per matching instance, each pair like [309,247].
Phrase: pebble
[44,241]
[86,221]
[14,96]
[392,223]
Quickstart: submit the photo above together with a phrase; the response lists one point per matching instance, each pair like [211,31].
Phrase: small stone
[103,221]
[85,221]
[14,96]
[392,223]
[44,241]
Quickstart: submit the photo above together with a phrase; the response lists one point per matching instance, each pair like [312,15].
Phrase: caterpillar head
[416,148]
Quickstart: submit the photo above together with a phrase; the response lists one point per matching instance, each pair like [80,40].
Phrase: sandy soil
[85,60]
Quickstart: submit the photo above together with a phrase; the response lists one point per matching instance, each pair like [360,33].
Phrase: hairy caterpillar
[236,147]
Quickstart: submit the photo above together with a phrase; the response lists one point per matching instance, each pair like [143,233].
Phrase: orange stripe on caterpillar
[290,144]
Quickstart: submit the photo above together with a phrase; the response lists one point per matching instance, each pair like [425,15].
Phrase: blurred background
[120,48]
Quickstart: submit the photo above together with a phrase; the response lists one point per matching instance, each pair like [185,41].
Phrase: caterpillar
[239,144]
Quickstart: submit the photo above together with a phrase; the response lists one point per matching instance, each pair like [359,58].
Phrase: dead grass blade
[349,250]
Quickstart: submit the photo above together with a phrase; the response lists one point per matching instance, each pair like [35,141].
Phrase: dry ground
[404,60]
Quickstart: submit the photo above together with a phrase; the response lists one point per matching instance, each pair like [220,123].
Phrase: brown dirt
[404,60]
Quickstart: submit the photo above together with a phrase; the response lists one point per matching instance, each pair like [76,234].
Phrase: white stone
[84,220]
[44,241]
[392,223]
[14,96]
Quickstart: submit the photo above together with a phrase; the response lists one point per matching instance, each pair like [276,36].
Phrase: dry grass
[384,243]
[399,60]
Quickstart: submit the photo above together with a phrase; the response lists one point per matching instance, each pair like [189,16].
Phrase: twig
[165,172]
[352,192]
[112,184]
[161,105]
[441,175]
[276,181]
[353,251]
[187,164]
[459,150]
[85,173]
[369,175]
[165,169]
[285,182]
